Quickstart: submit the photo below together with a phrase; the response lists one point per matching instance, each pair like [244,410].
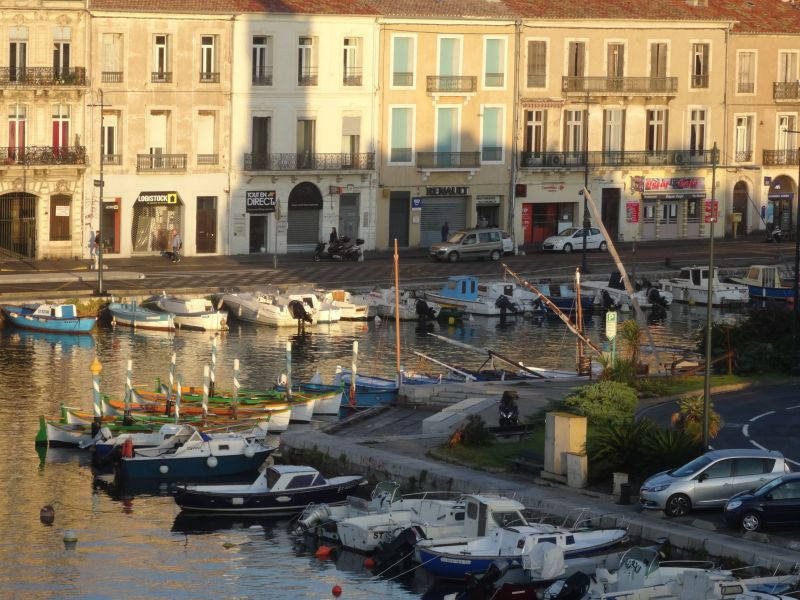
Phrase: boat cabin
[56,311]
[483,514]
[697,276]
[763,276]
[460,287]
[288,477]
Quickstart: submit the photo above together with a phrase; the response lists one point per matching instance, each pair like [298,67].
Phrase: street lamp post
[709,298]
[584,268]
[101,105]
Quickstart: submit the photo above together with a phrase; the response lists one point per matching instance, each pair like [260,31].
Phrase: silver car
[710,480]
[470,243]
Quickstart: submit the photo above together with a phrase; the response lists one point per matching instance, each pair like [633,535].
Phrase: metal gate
[435,211]
[18,225]
[303,233]
[152,226]
[348,216]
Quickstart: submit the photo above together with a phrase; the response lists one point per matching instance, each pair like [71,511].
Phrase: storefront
[304,209]
[259,204]
[541,220]
[671,206]
[488,210]
[111,221]
[348,215]
[18,224]
[155,215]
[440,205]
[780,198]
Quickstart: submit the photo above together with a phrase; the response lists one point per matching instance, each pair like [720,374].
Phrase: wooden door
[206,224]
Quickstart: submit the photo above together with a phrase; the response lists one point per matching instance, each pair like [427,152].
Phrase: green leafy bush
[651,387]
[603,402]
[475,433]
[623,370]
[668,449]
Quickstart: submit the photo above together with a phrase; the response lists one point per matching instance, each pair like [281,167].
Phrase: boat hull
[25,319]
[203,322]
[136,317]
[191,468]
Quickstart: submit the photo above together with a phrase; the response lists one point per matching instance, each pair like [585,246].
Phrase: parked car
[508,243]
[572,239]
[470,243]
[710,480]
[775,502]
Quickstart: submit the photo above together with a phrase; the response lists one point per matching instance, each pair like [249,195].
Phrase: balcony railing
[699,81]
[111,77]
[491,154]
[494,79]
[614,158]
[208,159]
[402,79]
[620,85]
[785,90]
[161,77]
[263,76]
[448,160]
[160,162]
[307,76]
[112,159]
[307,161]
[208,77]
[452,84]
[43,76]
[352,77]
[743,156]
[43,155]
[536,81]
[745,87]
[780,158]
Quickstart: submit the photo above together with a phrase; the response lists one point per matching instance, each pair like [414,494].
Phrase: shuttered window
[577,54]
[537,64]
[402,65]
[492,144]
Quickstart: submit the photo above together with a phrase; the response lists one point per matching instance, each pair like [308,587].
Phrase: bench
[528,460]
[519,431]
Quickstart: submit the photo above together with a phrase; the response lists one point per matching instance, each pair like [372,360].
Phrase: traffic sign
[99,183]
[611,324]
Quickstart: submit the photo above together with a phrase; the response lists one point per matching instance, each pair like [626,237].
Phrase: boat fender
[127,448]
[249,452]
[163,469]
[212,462]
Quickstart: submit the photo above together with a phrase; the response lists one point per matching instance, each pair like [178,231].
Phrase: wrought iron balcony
[208,159]
[35,156]
[262,76]
[307,161]
[786,90]
[494,79]
[536,81]
[402,79]
[745,87]
[699,81]
[352,77]
[43,76]
[452,84]
[307,76]
[160,162]
[208,77]
[779,158]
[620,85]
[448,160]
[161,77]
[613,158]
[743,156]
[111,77]
[112,159]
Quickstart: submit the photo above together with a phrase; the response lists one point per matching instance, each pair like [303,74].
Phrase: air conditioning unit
[554,160]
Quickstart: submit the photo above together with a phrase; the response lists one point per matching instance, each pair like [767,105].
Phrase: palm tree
[689,418]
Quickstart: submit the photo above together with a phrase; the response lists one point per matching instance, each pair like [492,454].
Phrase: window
[157,126]
[494,73]
[17,117]
[743,138]
[261,142]
[61,53]
[573,131]
[535,132]
[300,481]
[262,60]
[720,469]
[576,59]
[697,131]
[208,59]
[537,64]
[656,130]
[306,65]
[492,136]
[669,213]
[469,240]
[700,65]
[305,143]
[447,140]
[746,73]
[658,66]
[750,466]
[112,58]
[401,132]
[787,139]
[161,72]
[787,67]
[206,144]
[351,140]
[59,218]
[110,140]
[60,127]
[788,491]
[402,61]
[613,130]
[449,57]
[615,54]
[17,54]
[352,62]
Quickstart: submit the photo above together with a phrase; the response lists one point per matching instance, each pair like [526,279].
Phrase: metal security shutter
[435,211]
[303,234]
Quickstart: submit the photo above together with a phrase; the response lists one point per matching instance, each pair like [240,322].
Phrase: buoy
[47,515]
[127,448]
[163,469]
[249,452]
[336,591]
[323,552]
[369,563]
[212,461]
[70,537]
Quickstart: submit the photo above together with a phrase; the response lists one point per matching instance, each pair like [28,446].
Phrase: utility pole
[101,105]
[584,268]
[709,299]
[796,307]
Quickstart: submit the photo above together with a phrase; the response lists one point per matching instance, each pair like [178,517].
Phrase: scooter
[328,250]
[353,250]
[774,234]
[508,409]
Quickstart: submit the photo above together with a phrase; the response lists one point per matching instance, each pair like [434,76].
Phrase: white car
[508,243]
[572,239]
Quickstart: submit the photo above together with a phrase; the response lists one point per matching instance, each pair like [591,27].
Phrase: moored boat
[191,313]
[370,390]
[351,308]
[260,308]
[130,314]
[50,318]
[410,307]
[764,282]
[612,294]
[691,286]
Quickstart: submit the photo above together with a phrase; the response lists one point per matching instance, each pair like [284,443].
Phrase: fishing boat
[764,282]
[453,561]
[410,308]
[328,396]
[612,294]
[370,390]
[351,308]
[191,313]
[57,434]
[263,309]
[283,489]
[130,314]
[50,318]
[485,299]
[192,455]
[691,286]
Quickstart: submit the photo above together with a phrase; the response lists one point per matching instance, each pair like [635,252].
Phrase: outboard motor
[655,298]
[313,515]
[573,587]
[298,311]
[319,250]
[505,305]
[509,411]
[424,311]
[398,553]
[607,300]
[774,233]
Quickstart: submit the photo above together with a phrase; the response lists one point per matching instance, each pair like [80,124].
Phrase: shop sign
[111,203]
[260,202]
[62,210]
[632,212]
[666,184]
[158,198]
[488,201]
[710,211]
[416,203]
[447,190]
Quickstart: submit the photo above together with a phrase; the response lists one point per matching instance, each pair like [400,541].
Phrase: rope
[411,569]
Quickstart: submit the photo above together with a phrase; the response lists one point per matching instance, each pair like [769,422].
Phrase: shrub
[667,448]
[603,402]
[474,432]
[622,371]
[618,447]
[689,418]
[651,387]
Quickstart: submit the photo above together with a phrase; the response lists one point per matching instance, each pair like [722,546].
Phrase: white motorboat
[486,299]
[612,294]
[192,313]
[259,308]
[352,308]
[691,286]
[321,311]
[382,301]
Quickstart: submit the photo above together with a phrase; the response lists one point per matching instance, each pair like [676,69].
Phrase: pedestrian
[177,244]
[333,237]
[445,231]
[482,222]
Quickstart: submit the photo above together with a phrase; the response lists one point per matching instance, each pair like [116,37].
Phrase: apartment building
[164,78]
[43,93]
[303,132]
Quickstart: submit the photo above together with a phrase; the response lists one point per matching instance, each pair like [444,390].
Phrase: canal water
[137,546]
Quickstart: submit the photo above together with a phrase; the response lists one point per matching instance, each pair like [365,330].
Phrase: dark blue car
[776,502]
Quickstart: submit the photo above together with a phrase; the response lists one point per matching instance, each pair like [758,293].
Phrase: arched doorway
[305,206]
[780,199]
[741,201]
[18,225]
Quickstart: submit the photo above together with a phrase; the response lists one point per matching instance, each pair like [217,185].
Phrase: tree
[689,418]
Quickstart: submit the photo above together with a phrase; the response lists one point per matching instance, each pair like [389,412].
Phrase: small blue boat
[370,391]
[764,282]
[131,314]
[50,318]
